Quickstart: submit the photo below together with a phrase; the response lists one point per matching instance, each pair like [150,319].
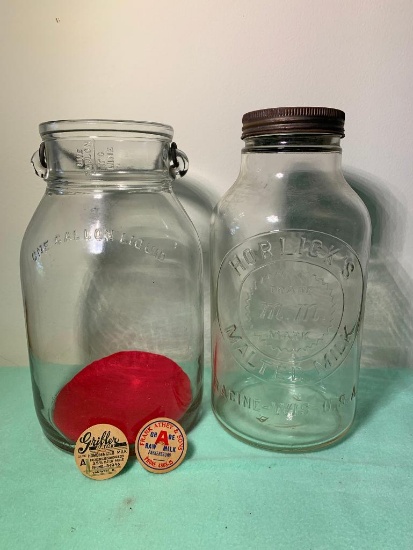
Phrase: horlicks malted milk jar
[290,244]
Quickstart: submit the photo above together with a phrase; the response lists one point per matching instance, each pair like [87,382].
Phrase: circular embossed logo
[302,302]
[161,445]
[289,304]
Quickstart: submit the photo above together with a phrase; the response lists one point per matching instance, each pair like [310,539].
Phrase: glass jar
[289,250]
[111,270]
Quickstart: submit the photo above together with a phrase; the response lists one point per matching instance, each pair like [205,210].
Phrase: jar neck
[91,159]
[306,152]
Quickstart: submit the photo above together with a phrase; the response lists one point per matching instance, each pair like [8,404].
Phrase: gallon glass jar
[289,250]
[111,271]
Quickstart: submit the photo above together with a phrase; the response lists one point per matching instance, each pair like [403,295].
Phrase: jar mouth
[106,126]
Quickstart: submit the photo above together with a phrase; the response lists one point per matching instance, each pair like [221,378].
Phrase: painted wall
[199,66]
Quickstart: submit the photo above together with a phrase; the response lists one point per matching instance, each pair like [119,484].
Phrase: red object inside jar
[126,389]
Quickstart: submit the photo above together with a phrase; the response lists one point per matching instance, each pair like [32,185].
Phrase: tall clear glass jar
[289,249]
[111,271]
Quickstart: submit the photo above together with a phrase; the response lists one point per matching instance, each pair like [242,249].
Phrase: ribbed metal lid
[293,120]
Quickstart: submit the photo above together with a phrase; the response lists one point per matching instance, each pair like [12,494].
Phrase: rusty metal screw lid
[293,120]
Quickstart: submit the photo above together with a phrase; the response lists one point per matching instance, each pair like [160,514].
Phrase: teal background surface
[357,494]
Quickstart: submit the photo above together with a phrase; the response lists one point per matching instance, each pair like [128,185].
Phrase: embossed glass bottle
[111,273]
[289,249]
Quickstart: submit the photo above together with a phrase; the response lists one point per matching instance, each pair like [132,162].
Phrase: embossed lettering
[256,404]
[87,156]
[331,253]
[139,244]
[315,248]
[270,311]
[98,234]
[286,410]
[246,402]
[230,332]
[335,353]
[108,236]
[348,268]
[301,248]
[41,249]
[334,403]
[249,256]
[242,349]
[251,356]
[79,158]
[348,334]
[293,318]
[236,264]
[284,252]
[307,312]
[264,366]
[265,248]
[291,290]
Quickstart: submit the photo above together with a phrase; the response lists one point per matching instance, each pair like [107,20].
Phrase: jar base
[188,421]
[280,417]
[283,448]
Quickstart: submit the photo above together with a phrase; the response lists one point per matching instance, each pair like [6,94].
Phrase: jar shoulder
[323,204]
[160,212]
[299,192]
[81,225]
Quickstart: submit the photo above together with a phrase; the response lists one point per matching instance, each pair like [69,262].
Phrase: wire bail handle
[39,162]
[180,162]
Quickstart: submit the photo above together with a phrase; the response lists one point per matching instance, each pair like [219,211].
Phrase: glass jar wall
[289,249]
[111,272]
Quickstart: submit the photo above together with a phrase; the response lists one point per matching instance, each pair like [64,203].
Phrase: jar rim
[105,125]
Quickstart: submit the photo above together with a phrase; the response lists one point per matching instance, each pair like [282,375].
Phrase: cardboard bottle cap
[161,445]
[101,451]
